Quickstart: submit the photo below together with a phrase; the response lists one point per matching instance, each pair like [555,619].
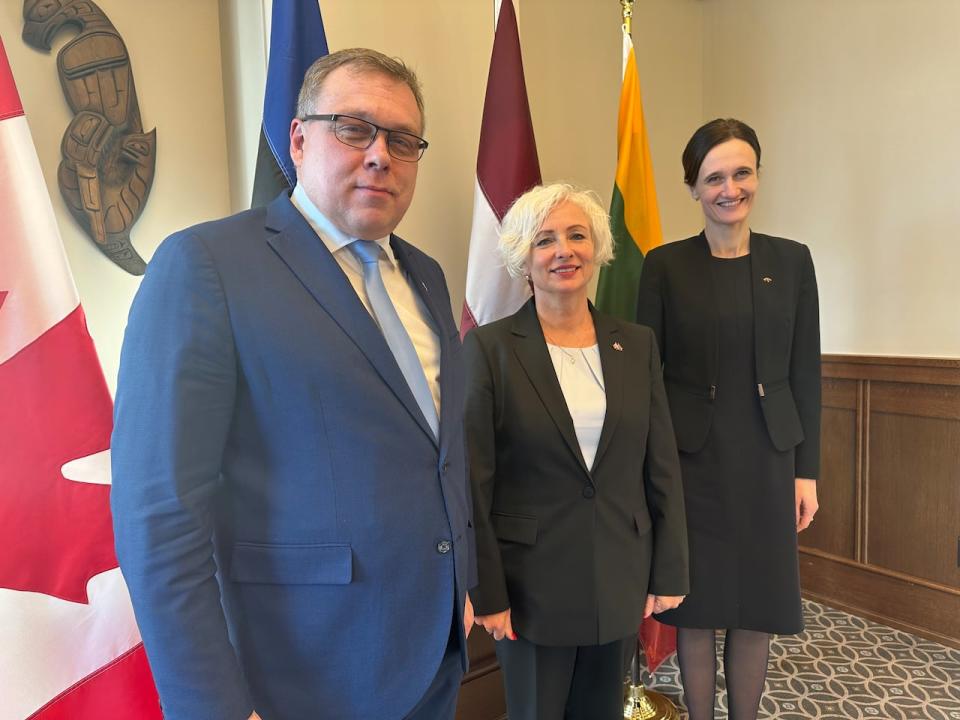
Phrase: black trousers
[564,683]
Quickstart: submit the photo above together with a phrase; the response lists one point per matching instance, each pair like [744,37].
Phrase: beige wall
[668,41]
[176,65]
[244,43]
[857,104]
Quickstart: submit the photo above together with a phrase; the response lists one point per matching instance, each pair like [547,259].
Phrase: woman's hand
[498,625]
[661,603]
[806,494]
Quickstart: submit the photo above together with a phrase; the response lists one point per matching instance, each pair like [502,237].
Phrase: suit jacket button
[443,547]
[589,492]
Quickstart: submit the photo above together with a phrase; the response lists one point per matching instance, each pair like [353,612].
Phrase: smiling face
[727,183]
[364,193]
[561,258]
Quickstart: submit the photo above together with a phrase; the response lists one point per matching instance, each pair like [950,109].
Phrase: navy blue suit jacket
[294,538]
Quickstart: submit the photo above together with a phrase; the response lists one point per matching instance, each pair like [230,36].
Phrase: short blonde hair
[528,213]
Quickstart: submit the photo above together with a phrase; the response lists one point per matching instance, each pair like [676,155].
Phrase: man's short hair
[360,60]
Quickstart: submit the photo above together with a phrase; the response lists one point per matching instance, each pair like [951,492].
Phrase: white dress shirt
[410,307]
[581,380]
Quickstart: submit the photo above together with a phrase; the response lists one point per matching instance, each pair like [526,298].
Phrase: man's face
[365,193]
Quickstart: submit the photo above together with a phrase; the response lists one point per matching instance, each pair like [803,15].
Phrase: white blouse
[581,380]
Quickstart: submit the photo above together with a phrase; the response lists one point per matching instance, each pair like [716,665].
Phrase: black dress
[739,491]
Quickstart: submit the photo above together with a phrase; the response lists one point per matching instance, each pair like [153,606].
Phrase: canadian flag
[69,645]
[507,166]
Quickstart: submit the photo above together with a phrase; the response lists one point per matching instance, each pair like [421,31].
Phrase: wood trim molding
[893,574]
[862,460]
[931,371]
[897,602]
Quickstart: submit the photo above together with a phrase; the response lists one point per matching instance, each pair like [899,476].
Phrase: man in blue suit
[290,498]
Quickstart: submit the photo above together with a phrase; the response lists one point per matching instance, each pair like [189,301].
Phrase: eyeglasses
[361,134]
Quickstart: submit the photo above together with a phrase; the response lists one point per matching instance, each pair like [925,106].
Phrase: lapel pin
[768,280]
[618,347]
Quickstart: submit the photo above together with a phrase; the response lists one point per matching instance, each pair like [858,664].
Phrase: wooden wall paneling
[835,530]
[914,505]
[903,570]
[927,401]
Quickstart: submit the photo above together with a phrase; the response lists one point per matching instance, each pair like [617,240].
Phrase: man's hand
[498,625]
[467,617]
[661,603]
[806,495]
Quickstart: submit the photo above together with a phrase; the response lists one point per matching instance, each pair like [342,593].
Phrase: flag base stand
[640,703]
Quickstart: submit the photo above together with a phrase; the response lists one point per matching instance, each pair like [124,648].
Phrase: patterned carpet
[844,668]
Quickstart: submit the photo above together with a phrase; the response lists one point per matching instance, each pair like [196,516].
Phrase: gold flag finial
[627,6]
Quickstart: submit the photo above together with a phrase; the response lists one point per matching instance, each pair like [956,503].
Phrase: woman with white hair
[578,505]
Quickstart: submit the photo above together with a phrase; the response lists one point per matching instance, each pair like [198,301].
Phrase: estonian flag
[296,40]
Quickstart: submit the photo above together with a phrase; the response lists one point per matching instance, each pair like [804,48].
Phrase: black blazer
[678,301]
[571,550]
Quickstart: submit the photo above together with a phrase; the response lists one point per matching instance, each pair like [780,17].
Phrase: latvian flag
[69,646]
[507,166]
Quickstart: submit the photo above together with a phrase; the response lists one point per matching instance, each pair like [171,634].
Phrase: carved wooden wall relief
[108,161]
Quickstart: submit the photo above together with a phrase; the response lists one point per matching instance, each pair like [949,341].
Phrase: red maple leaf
[55,533]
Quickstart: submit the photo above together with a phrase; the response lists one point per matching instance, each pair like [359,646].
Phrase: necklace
[566,353]
[570,353]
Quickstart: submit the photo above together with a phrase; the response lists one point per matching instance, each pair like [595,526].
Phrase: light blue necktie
[368,253]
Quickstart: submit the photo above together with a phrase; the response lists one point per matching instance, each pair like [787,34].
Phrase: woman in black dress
[736,319]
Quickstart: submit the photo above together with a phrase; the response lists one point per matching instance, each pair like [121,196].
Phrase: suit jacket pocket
[780,412]
[514,528]
[291,564]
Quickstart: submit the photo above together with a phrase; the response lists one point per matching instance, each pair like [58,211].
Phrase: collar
[334,238]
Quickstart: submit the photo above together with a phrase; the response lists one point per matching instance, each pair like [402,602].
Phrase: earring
[526,276]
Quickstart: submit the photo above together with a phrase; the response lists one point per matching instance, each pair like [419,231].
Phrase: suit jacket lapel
[530,348]
[767,279]
[612,362]
[313,265]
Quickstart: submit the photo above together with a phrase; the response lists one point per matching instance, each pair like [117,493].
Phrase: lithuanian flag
[634,218]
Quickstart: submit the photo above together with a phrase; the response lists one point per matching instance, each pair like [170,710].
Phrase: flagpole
[639,703]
